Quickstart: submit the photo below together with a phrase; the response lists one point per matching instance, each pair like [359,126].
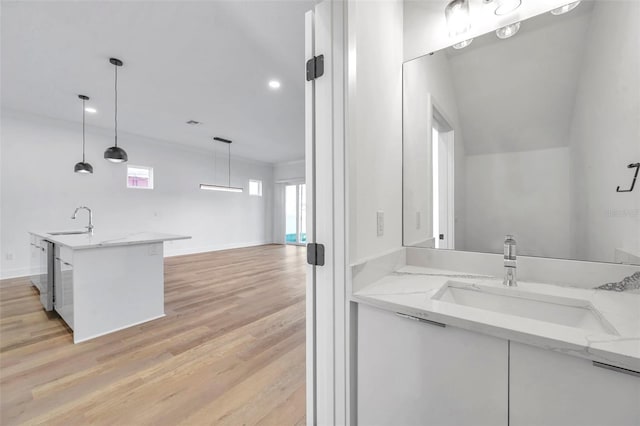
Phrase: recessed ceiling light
[274,84]
[566,8]
[91,110]
[507,6]
[508,31]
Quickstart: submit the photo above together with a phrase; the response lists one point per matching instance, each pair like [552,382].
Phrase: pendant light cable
[229,165]
[83,113]
[115,67]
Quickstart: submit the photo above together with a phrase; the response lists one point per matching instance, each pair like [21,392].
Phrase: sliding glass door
[296,214]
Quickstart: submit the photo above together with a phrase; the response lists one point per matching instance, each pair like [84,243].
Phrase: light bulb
[458,19]
[508,31]
[462,44]
[566,8]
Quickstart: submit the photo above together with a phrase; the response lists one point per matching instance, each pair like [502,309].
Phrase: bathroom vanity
[454,348]
[102,282]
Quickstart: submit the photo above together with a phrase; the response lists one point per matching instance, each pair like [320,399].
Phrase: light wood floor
[231,350]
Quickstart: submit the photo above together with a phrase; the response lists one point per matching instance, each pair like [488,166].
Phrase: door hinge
[315,254]
[315,67]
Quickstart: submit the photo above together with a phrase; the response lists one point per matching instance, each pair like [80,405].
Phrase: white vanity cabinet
[553,389]
[416,373]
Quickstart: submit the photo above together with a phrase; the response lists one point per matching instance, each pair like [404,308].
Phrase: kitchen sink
[67,232]
[566,311]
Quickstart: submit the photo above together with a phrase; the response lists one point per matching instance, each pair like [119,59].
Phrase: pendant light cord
[229,167]
[83,113]
[116,106]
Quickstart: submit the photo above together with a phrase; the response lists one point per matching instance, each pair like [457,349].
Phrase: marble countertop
[108,239]
[409,290]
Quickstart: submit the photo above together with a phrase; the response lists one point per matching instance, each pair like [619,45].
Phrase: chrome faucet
[510,261]
[90,226]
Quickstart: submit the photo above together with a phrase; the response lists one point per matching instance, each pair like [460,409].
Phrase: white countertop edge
[590,351]
[77,241]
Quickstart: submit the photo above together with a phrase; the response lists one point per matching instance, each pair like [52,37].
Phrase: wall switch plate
[417,220]
[380,222]
[9,256]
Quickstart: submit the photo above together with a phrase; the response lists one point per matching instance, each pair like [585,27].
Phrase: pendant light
[115,154]
[83,166]
[227,188]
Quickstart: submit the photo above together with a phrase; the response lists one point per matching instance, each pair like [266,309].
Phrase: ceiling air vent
[193,122]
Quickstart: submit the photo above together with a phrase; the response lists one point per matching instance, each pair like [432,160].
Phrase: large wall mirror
[535,135]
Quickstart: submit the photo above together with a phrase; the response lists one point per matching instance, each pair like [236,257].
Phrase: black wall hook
[635,176]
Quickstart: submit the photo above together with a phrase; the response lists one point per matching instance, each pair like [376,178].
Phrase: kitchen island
[104,282]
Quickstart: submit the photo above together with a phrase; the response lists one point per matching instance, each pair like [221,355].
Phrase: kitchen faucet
[510,261]
[90,226]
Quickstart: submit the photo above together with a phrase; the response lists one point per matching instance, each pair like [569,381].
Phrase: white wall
[289,172]
[39,190]
[526,194]
[374,139]
[605,135]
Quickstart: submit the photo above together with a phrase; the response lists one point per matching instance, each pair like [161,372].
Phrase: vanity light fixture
[83,166]
[566,8]
[115,154]
[458,18]
[508,31]
[507,6]
[462,44]
[228,187]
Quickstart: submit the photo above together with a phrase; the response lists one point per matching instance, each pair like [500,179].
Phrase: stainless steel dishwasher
[47,266]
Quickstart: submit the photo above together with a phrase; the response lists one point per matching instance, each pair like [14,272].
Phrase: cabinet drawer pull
[62,261]
[439,324]
[618,369]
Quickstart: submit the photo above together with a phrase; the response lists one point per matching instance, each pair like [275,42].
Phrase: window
[255,188]
[140,177]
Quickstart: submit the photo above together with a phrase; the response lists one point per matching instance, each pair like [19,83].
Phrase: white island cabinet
[416,373]
[107,282]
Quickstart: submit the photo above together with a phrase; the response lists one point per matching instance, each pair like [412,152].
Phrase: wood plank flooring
[230,351]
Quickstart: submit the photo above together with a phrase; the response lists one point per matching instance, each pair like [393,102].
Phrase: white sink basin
[577,313]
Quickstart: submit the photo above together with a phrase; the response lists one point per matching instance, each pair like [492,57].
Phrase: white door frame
[327,301]
[441,122]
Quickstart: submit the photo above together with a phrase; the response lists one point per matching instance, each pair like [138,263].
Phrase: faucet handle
[509,248]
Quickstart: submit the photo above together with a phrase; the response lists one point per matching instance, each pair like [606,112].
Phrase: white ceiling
[208,61]
[519,94]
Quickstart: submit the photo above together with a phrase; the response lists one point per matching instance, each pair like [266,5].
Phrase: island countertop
[409,290]
[108,239]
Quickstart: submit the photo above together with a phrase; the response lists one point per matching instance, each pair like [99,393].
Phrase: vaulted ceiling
[209,61]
